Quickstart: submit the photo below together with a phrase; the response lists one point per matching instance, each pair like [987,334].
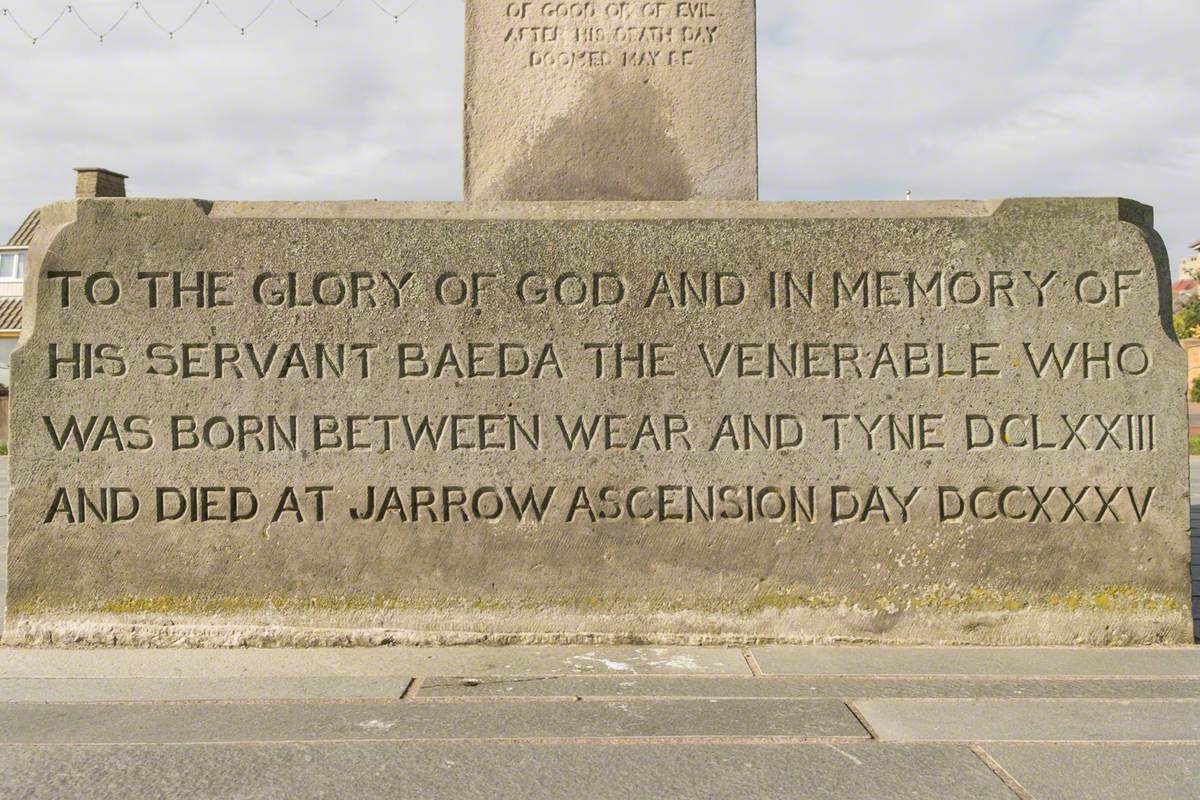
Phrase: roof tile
[10,313]
[25,233]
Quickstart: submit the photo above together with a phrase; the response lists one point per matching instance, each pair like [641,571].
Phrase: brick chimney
[98,182]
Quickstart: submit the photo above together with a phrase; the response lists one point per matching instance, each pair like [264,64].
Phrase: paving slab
[1102,771]
[499,772]
[1032,720]
[32,723]
[148,690]
[570,687]
[850,688]
[388,661]
[1028,661]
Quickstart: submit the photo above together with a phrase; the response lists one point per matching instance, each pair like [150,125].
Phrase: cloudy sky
[858,99]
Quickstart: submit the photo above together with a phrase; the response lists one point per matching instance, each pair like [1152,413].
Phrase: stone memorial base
[163,622]
[367,423]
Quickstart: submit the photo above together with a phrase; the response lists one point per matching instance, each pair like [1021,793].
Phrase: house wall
[1192,347]
[7,345]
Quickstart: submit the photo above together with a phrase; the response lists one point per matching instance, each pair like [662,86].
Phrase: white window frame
[22,262]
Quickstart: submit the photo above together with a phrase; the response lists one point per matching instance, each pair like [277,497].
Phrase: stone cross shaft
[599,100]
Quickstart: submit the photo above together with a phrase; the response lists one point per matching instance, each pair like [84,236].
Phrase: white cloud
[859,99]
[985,99]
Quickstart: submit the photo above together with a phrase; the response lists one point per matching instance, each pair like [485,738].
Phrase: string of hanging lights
[142,8]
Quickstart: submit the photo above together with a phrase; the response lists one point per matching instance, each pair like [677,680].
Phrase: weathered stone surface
[867,374]
[611,101]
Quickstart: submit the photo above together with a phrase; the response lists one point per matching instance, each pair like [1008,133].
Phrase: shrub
[1187,319]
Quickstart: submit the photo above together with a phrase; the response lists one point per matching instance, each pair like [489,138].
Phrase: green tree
[1194,395]
[1187,319]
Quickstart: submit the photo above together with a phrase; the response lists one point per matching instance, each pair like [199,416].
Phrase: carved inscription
[622,34]
[733,436]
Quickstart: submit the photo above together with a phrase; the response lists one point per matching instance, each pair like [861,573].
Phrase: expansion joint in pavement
[1001,773]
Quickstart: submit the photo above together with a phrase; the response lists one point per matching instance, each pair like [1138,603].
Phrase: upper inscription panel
[601,100]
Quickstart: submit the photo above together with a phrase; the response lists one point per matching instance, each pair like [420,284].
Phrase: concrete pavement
[612,722]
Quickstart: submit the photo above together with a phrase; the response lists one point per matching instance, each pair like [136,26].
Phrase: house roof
[10,314]
[1185,285]
[25,233]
